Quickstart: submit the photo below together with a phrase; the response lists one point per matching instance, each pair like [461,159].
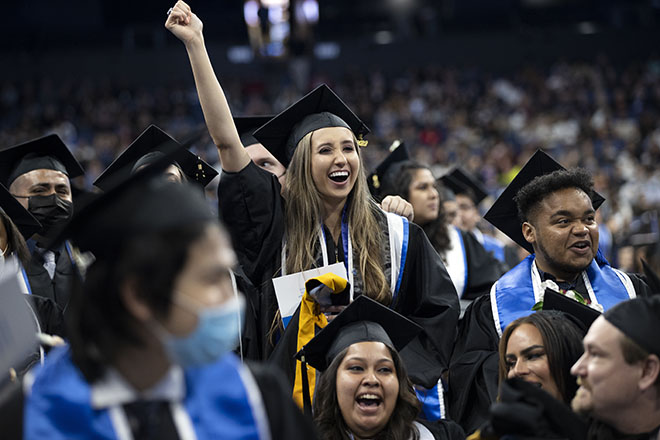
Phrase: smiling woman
[540,349]
[364,391]
[323,215]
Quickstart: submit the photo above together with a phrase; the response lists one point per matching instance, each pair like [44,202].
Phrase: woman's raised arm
[187,27]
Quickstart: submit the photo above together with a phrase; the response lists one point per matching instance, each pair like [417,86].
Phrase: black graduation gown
[483,268]
[252,209]
[473,367]
[284,417]
[57,289]
[49,315]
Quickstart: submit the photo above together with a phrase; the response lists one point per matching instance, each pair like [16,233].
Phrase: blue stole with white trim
[513,295]
[59,404]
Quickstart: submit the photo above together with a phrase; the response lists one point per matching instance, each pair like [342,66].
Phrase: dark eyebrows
[532,348]
[567,213]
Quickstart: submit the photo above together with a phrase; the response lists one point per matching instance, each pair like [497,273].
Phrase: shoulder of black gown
[642,289]
[286,420]
[251,207]
[473,367]
[483,268]
[428,297]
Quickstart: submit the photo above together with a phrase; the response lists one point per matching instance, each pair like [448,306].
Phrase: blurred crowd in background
[595,115]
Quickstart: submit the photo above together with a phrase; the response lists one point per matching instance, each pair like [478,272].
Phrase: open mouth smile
[339,176]
[368,401]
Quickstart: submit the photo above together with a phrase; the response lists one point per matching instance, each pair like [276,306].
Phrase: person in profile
[153,327]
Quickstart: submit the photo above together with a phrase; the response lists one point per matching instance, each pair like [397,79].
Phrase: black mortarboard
[504,212]
[398,153]
[247,125]
[461,182]
[146,149]
[48,152]
[553,300]
[320,108]
[139,204]
[363,320]
[638,319]
[24,221]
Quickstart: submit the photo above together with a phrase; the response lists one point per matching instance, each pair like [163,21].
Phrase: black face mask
[51,211]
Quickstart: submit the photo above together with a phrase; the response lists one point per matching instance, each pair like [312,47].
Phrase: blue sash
[219,402]
[433,402]
[516,292]
[492,244]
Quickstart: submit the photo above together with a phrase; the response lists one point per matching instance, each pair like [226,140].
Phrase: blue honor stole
[516,292]
[222,400]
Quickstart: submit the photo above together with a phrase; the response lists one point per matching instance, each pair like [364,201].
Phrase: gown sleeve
[428,297]
[250,205]
[474,366]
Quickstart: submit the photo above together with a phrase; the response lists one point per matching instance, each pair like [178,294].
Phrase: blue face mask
[217,333]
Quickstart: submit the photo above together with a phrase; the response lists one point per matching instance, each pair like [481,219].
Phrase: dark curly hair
[562,339]
[397,180]
[533,193]
[331,424]
[98,322]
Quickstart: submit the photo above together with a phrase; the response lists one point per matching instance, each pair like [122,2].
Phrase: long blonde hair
[303,217]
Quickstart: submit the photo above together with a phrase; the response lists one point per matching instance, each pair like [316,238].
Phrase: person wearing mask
[38,174]
[152,329]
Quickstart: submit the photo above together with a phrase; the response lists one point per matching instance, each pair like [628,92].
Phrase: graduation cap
[398,153]
[363,320]
[504,212]
[247,125]
[461,182]
[142,202]
[48,152]
[583,315]
[148,148]
[320,108]
[24,221]
[639,319]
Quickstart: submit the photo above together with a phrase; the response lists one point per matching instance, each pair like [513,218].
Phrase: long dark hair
[562,340]
[15,241]
[99,324]
[397,180]
[331,424]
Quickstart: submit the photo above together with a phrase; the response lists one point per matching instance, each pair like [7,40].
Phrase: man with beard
[38,174]
[550,212]
[619,372]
